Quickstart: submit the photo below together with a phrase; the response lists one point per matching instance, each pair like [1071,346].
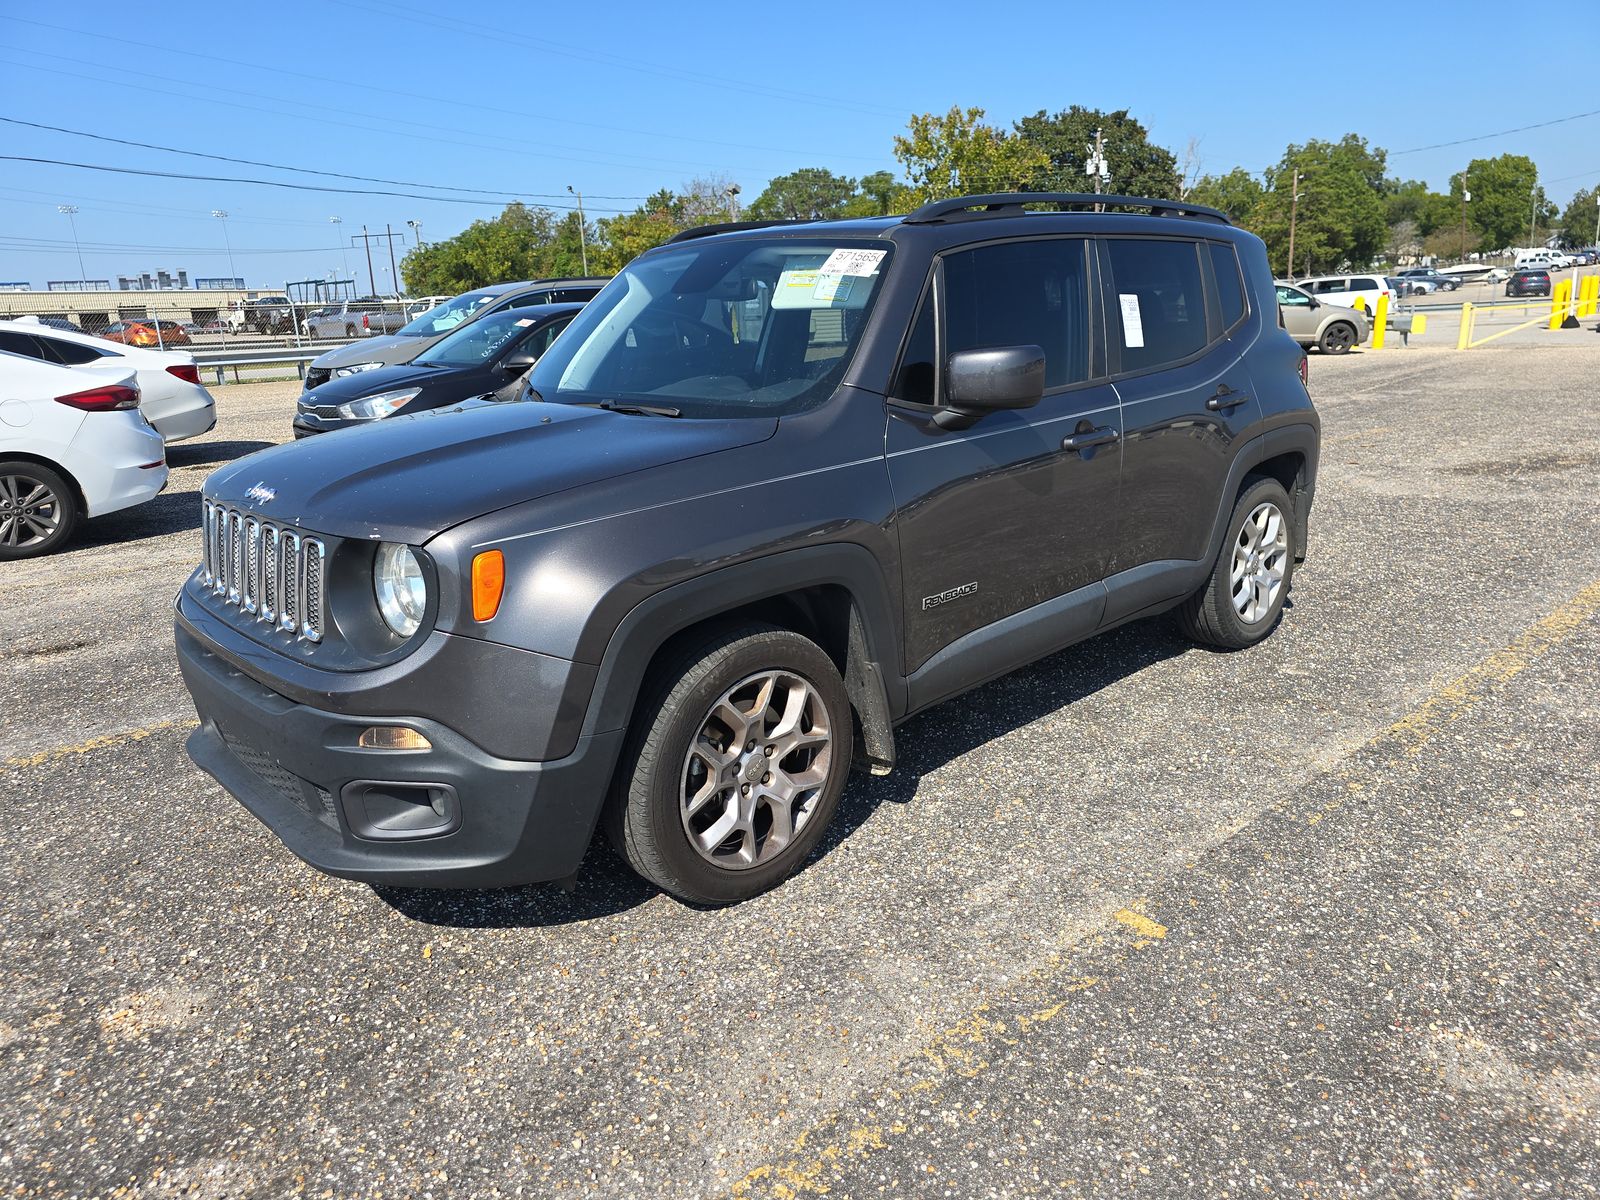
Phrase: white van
[1343,289]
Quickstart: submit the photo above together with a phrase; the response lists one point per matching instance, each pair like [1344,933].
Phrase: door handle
[1090,437]
[1226,399]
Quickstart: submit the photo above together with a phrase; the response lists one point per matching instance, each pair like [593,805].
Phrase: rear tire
[349,331]
[1338,338]
[738,755]
[1243,599]
[38,510]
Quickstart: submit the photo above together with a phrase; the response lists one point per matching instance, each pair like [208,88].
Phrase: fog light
[392,737]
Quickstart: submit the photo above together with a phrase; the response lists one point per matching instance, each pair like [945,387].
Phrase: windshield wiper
[643,410]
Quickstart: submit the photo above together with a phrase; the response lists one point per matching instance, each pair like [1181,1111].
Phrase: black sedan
[487,357]
[1533,281]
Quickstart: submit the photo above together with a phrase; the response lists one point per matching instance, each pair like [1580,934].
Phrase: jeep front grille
[272,573]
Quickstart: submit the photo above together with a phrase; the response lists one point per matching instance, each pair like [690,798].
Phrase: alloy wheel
[1260,559]
[30,512]
[755,770]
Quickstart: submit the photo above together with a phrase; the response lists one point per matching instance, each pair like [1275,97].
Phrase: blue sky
[620,99]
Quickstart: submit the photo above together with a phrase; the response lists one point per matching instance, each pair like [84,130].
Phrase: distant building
[16,287]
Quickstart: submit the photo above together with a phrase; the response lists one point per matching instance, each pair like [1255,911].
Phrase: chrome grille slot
[274,574]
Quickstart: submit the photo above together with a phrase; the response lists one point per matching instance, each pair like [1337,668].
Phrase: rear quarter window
[1230,283]
[1160,301]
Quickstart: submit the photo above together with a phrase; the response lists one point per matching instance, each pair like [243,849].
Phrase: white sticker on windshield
[1132,323]
[832,289]
[525,322]
[853,262]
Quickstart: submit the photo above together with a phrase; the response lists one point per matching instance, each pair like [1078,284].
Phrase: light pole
[72,212]
[583,233]
[344,258]
[1294,214]
[416,230]
[221,214]
[1097,167]
[731,193]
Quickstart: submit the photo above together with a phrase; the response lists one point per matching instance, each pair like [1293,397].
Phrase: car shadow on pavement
[606,887]
[200,454]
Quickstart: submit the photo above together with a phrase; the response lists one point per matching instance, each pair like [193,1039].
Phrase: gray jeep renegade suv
[778,487]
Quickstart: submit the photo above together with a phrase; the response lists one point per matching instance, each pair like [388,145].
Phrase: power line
[411,96]
[251,162]
[1483,137]
[277,183]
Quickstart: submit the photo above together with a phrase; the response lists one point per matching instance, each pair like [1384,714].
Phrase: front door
[1002,516]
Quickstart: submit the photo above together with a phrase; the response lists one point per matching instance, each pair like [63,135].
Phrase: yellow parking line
[96,743]
[968,1047]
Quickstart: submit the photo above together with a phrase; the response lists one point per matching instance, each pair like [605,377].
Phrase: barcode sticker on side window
[1132,323]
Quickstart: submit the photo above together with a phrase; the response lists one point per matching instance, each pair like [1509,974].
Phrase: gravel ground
[1138,920]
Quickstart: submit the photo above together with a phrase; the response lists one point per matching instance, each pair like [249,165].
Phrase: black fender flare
[1302,438]
[872,670]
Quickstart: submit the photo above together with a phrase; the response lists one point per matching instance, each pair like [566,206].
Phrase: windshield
[743,327]
[446,316]
[479,342]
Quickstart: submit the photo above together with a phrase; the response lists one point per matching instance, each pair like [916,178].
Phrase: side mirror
[518,360]
[990,380]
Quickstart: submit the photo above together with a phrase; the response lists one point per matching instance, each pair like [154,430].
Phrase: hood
[385,349]
[408,478]
[370,383]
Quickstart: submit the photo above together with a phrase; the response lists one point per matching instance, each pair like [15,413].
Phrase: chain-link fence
[217,324]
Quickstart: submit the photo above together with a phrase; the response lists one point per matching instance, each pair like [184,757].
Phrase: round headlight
[401,591]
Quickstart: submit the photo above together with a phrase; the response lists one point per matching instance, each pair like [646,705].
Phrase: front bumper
[298,769]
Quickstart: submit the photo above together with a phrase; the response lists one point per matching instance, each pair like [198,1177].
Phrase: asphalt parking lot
[1141,920]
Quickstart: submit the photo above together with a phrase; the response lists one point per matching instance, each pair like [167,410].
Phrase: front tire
[1242,600]
[1338,338]
[739,754]
[38,510]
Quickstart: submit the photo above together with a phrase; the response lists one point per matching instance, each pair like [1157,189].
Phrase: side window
[530,299]
[573,295]
[913,382]
[1230,285]
[1020,294]
[1293,298]
[1160,301]
[70,354]
[23,344]
[1365,285]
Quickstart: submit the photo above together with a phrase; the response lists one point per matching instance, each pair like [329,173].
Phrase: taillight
[104,399]
[1305,372]
[366,321]
[187,372]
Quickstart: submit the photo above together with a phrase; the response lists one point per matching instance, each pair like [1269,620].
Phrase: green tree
[1580,218]
[1505,195]
[809,194]
[1340,217]
[957,154]
[877,195]
[1138,167]
[1237,193]
[520,243]
[1410,200]
[623,238]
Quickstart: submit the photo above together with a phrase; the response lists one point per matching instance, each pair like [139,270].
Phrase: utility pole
[366,240]
[583,231]
[221,214]
[1465,196]
[731,192]
[1294,215]
[416,228]
[1533,212]
[72,212]
[1097,167]
[1597,217]
[394,271]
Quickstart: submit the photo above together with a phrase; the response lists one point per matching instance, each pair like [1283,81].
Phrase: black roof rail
[1010,204]
[700,231]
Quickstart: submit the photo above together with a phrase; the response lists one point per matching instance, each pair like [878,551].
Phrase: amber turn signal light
[488,582]
[392,737]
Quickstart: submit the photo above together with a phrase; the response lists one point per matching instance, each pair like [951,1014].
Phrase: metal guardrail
[221,361]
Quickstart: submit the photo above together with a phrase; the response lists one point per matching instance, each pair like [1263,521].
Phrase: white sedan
[73,444]
[175,401]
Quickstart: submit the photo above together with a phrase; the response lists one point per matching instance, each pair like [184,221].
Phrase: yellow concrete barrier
[1380,321]
[1464,339]
[1560,300]
[1589,296]
[1419,323]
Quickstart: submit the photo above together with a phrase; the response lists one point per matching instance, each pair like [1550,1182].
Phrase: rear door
[1001,516]
[1176,306]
